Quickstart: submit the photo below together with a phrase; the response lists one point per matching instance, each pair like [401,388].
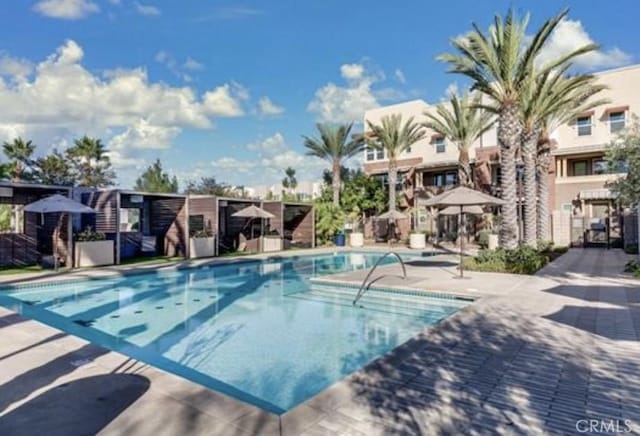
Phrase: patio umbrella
[392,215]
[460,198]
[58,204]
[453,210]
[254,212]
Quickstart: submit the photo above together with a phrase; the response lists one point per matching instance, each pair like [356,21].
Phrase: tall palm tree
[569,97]
[548,95]
[19,153]
[91,163]
[501,64]
[394,138]
[334,146]
[461,121]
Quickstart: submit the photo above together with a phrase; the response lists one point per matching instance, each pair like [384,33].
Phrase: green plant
[631,248]
[329,221]
[88,235]
[633,267]
[521,260]
[202,234]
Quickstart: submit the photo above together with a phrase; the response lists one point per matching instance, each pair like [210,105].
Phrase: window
[129,219]
[580,168]
[599,166]
[584,126]
[380,154]
[451,178]
[616,121]
[370,153]
[196,224]
[439,144]
[438,180]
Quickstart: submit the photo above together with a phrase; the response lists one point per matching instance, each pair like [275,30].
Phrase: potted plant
[92,249]
[202,244]
[417,239]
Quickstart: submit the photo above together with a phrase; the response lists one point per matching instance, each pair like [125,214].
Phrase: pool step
[401,304]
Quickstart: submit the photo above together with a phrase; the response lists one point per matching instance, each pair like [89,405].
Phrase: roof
[10,184]
[131,192]
[579,149]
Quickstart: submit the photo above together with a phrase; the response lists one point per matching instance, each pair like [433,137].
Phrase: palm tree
[394,138]
[501,64]
[334,146]
[19,153]
[290,182]
[461,121]
[54,169]
[91,163]
[566,99]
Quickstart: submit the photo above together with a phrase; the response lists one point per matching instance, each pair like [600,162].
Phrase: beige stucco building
[578,175]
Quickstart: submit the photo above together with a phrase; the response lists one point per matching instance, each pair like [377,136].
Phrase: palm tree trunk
[542,168]
[336,182]
[529,144]
[464,168]
[393,178]
[508,139]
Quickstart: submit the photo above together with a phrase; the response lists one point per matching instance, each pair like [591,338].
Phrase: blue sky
[226,89]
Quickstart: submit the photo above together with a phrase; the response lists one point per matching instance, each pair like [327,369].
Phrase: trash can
[339,240]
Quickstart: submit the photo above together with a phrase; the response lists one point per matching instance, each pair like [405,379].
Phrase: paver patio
[533,355]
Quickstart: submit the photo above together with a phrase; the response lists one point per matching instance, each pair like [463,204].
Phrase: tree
[462,122]
[549,95]
[19,153]
[154,179]
[90,163]
[501,64]
[209,186]
[334,146]
[394,138]
[54,169]
[623,156]
[290,183]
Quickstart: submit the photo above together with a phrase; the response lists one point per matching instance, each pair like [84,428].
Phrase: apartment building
[582,206]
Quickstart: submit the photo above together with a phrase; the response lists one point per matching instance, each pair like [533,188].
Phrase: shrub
[633,267]
[522,260]
[631,248]
[88,235]
[329,221]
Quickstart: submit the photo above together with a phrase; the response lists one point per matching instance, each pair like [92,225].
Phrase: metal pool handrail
[364,289]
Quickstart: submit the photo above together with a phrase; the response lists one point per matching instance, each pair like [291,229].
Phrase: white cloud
[15,68]
[352,71]
[119,160]
[192,64]
[143,135]
[267,107]
[225,100]
[66,9]
[147,10]
[570,35]
[334,103]
[271,145]
[271,156]
[400,77]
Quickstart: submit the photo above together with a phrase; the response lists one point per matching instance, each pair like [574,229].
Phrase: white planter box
[202,247]
[356,239]
[417,240]
[271,244]
[93,253]
[493,242]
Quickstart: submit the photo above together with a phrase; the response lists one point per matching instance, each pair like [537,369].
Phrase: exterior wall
[169,221]
[276,208]
[298,225]
[208,208]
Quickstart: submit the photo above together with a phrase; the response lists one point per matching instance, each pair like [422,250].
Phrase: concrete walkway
[536,354]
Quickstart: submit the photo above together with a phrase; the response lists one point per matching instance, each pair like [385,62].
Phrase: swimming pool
[259,331]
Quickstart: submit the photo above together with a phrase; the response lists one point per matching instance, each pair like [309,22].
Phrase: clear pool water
[258,331]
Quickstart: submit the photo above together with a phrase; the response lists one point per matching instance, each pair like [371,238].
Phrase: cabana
[26,238]
[237,233]
[140,223]
[295,222]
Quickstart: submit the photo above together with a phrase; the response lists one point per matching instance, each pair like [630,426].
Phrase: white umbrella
[460,198]
[253,212]
[392,215]
[58,204]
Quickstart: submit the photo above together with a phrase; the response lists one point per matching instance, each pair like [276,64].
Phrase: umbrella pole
[461,232]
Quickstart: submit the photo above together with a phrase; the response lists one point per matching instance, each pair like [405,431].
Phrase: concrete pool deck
[534,354]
